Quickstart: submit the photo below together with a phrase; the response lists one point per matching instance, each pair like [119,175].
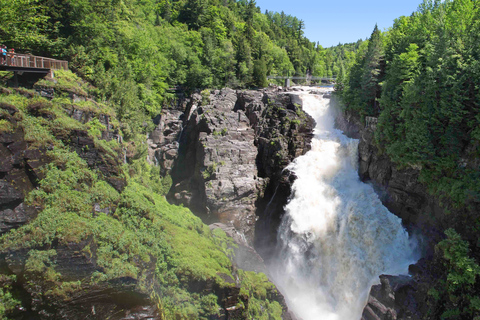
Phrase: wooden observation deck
[21,64]
[27,63]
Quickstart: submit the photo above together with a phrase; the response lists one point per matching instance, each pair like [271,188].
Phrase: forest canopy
[134,51]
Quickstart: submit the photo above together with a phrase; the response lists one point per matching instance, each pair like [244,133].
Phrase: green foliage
[25,25]
[95,128]
[205,97]
[260,73]
[360,87]
[260,292]
[8,302]
[209,171]
[148,175]
[426,97]
[456,291]
[5,126]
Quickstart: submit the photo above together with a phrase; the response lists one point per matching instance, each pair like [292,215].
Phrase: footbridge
[307,79]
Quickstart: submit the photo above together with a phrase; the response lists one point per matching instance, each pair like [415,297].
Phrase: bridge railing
[30,61]
[302,78]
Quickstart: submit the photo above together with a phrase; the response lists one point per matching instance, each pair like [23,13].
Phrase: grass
[66,81]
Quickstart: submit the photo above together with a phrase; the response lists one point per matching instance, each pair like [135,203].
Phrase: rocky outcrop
[215,174]
[232,148]
[396,298]
[98,157]
[163,141]
[349,123]
[285,133]
[119,298]
[401,192]
[19,172]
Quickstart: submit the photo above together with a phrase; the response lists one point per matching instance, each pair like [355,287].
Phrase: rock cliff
[226,154]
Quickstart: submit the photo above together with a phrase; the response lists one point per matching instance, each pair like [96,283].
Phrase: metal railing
[30,61]
[301,78]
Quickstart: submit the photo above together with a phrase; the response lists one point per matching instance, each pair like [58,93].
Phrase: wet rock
[395,298]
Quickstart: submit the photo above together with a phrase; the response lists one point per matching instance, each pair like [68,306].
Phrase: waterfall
[336,237]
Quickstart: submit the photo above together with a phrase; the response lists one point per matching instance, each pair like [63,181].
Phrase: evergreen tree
[372,72]
[260,73]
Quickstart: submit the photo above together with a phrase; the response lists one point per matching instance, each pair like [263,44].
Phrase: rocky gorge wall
[398,297]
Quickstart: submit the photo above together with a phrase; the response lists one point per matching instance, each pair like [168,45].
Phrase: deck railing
[30,61]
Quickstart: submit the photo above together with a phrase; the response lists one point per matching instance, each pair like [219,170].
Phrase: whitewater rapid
[336,237]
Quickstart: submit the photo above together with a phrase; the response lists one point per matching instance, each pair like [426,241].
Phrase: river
[336,237]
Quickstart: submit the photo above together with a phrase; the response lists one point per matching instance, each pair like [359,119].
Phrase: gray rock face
[216,174]
[232,147]
[349,124]
[163,141]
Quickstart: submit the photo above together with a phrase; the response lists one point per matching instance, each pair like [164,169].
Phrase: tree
[371,73]
[260,73]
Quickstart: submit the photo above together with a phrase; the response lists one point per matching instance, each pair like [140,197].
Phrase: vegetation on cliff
[420,78]
[102,223]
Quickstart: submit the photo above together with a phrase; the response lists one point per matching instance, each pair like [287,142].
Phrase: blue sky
[334,21]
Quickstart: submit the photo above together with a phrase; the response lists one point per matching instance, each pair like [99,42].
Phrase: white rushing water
[336,237]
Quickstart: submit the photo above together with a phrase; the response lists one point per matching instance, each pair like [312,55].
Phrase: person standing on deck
[3,54]
[12,57]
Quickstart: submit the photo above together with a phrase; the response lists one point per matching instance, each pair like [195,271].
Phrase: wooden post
[15,79]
